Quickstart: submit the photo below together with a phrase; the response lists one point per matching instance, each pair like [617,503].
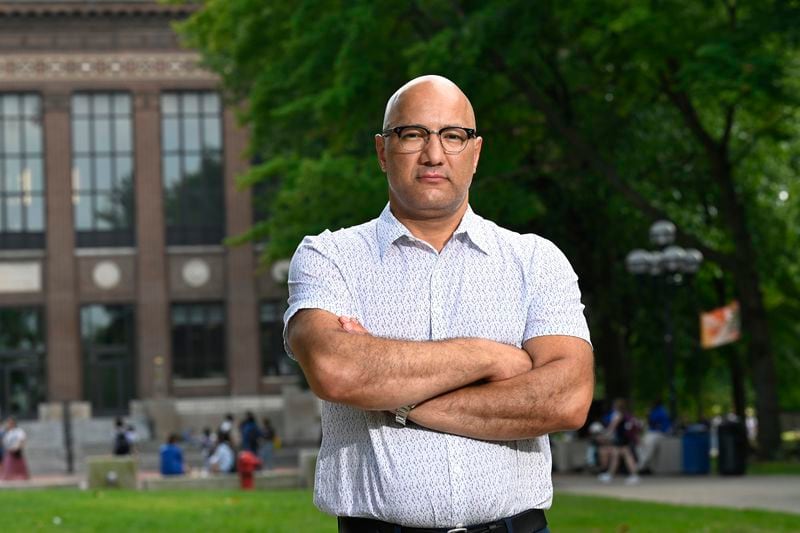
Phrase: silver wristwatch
[401,414]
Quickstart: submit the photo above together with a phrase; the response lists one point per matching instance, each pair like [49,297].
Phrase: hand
[352,325]
[515,361]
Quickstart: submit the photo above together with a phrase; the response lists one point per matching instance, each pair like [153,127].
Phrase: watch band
[401,414]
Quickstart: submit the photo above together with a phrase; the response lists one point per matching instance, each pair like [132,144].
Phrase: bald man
[444,348]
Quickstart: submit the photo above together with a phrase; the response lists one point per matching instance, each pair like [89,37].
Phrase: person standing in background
[14,465]
[267,449]
[249,433]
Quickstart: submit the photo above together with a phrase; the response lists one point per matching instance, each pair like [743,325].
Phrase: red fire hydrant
[246,464]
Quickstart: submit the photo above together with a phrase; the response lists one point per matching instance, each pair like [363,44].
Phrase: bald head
[410,93]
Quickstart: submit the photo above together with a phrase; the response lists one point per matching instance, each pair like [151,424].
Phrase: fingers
[351,325]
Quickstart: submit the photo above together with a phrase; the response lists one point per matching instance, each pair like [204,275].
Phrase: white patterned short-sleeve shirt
[486,282]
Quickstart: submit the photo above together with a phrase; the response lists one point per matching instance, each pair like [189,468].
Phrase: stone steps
[294,413]
[43,461]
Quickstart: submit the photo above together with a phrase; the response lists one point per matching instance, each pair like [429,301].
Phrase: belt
[525,522]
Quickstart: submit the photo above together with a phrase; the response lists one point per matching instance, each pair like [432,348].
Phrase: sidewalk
[770,493]
[145,479]
[45,481]
[63,481]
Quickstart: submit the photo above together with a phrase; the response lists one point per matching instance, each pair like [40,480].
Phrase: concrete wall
[294,414]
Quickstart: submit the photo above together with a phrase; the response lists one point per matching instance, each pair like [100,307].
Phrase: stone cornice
[93,9]
[120,66]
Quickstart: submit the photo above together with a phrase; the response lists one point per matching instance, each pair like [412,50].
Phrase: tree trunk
[754,316]
[762,363]
[737,383]
[612,358]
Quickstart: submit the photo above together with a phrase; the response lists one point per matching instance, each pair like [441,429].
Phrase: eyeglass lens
[414,139]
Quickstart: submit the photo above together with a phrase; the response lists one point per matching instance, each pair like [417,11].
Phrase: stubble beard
[428,205]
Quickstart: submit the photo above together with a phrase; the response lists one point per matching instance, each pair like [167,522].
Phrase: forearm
[553,397]
[382,374]
[376,373]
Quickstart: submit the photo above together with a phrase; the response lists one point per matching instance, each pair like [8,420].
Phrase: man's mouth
[432,177]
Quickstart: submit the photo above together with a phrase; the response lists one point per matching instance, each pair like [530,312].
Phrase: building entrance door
[108,380]
[20,385]
[108,348]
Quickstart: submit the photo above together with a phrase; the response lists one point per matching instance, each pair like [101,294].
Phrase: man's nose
[432,153]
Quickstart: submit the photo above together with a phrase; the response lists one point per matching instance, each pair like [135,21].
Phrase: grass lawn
[594,515]
[292,512]
[65,510]
[776,468]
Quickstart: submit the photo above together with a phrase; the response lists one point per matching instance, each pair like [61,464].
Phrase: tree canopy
[599,117]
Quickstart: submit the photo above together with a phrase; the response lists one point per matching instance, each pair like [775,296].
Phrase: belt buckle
[459,529]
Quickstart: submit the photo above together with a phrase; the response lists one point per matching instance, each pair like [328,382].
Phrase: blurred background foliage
[598,117]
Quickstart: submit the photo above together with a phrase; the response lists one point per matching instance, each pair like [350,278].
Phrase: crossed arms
[472,387]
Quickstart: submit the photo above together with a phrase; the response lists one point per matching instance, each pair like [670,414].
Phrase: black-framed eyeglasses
[411,139]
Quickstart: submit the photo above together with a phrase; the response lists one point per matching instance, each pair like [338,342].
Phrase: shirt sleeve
[316,282]
[555,300]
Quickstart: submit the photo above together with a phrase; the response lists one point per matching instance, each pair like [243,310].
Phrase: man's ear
[477,153]
[380,150]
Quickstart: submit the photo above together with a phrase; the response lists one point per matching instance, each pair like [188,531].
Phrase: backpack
[631,429]
[121,444]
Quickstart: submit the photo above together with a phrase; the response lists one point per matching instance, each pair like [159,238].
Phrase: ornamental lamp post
[667,265]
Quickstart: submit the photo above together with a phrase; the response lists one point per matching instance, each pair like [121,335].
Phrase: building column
[154,361]
[64,361]
[244,362]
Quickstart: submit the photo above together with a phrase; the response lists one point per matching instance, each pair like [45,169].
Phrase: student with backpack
[121,444]
[621,436]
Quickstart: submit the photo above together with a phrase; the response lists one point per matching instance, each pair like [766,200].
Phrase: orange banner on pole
[720,326]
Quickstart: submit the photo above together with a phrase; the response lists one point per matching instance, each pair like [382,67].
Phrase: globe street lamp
[669,265]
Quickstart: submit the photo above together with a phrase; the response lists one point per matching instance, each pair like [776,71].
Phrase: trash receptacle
[696,446]
[732,460]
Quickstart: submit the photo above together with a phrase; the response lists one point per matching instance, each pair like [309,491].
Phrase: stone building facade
[118,165]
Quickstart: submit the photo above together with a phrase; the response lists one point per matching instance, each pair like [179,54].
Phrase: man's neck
[436,231]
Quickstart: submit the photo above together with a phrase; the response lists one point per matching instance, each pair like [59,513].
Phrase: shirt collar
[472,226]
[389,229]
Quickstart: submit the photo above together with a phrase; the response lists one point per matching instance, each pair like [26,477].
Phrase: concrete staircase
[45,449]
[294,414]
[46,454]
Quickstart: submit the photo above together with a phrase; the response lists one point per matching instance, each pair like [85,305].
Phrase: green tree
[599,117]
